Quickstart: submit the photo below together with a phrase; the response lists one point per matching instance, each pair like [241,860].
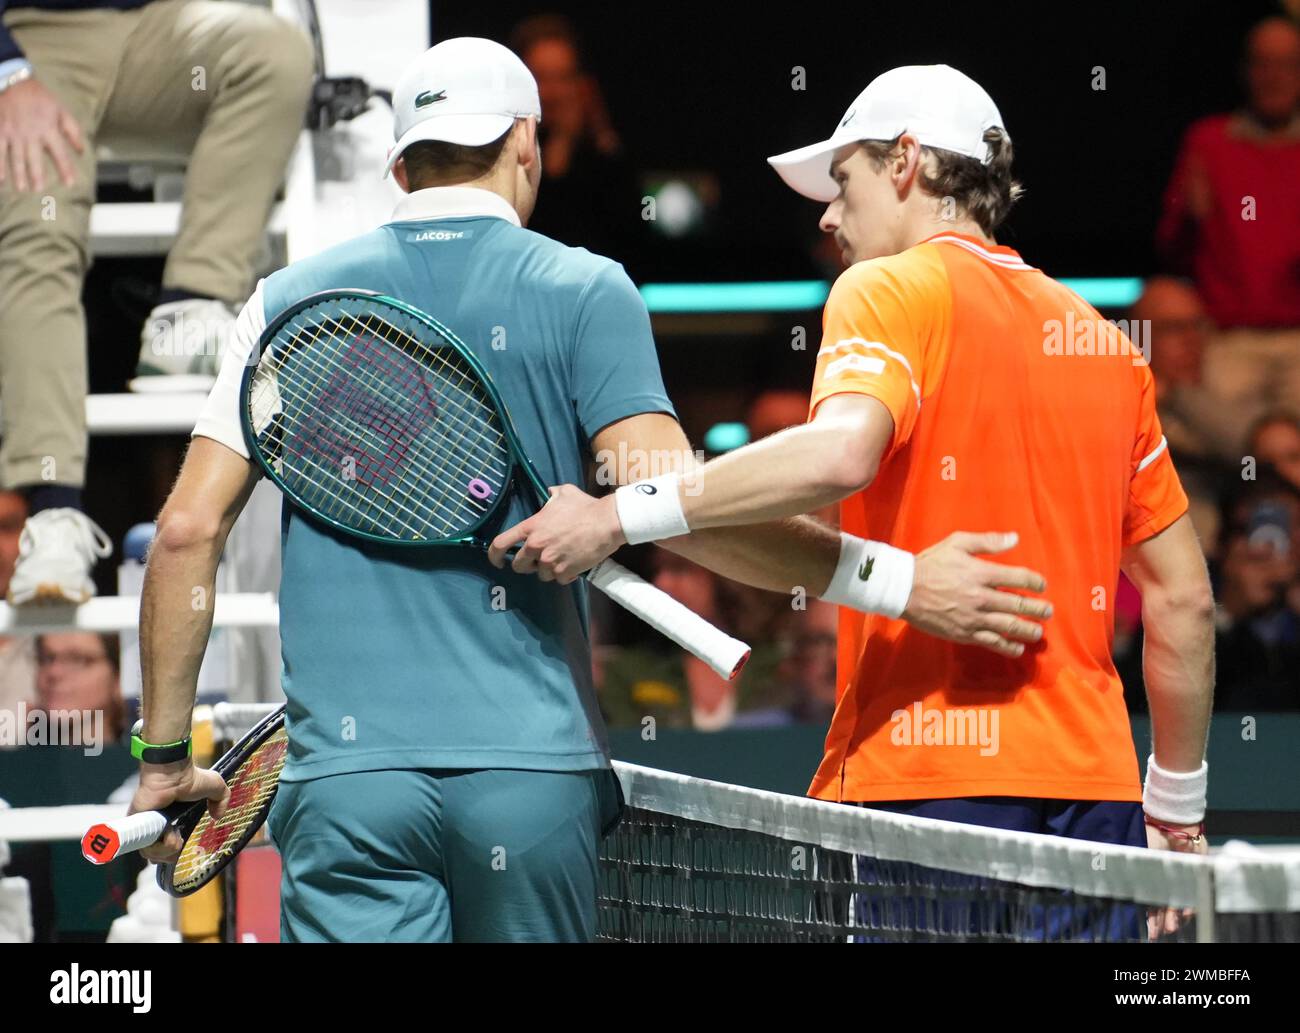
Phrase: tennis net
[700,861]
[693,860]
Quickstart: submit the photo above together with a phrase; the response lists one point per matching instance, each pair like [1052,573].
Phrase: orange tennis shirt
[1016,408]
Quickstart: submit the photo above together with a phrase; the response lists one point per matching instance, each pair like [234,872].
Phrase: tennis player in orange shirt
[957,385]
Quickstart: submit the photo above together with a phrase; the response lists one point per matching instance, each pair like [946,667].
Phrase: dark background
[707,86]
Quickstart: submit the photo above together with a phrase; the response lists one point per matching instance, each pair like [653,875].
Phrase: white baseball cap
[466,90]
[937,104]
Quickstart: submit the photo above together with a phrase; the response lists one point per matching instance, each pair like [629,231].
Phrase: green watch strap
[159,753]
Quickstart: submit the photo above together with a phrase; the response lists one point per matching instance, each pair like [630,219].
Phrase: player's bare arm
[1178,668]
[1178,652]
[954,595]
[213,487]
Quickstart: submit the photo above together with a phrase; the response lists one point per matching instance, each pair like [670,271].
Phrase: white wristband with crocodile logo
[872,577]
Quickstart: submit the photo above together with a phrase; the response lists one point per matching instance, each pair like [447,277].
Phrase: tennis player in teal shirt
[448,777]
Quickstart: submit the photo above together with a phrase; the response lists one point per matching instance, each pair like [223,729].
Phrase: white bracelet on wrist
[651,510]
[872,577]
[14,71]
[1176,797]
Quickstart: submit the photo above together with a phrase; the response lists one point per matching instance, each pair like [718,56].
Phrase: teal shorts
[441,856]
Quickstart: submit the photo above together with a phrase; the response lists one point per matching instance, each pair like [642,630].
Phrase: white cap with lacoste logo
[939,105]
[466,90]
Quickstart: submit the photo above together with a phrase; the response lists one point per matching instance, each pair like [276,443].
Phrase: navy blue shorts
[904,901]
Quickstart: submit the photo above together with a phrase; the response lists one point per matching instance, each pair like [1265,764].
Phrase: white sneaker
[181,346]
[56,553]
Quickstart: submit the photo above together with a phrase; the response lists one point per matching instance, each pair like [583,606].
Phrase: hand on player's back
[565,539]
[958,597]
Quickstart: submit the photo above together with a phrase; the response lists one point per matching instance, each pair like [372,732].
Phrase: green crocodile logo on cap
[427,97]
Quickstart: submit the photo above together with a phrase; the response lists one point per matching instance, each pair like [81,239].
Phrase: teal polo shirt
[404,658]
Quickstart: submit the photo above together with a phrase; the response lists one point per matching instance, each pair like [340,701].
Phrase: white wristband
[1176,797]
[14,71]
[872,577]
[651,510]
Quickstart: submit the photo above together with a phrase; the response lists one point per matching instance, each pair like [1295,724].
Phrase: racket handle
[110,839]
[662,612]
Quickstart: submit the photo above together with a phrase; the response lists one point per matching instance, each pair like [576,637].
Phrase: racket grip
[109,839]
[662,612]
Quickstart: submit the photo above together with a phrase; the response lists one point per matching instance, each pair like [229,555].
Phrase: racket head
[379,421]
[251,769]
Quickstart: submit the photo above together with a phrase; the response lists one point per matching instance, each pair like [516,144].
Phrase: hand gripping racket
[380,422]
[251,769]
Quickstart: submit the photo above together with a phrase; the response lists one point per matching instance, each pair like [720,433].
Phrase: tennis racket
[251,768]
[380,422]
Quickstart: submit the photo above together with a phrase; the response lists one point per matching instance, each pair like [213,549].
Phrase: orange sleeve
[885,333]
[1155,497]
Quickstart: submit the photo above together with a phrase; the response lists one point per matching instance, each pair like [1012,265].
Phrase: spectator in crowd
[1205,436]
[1208,443]
[1275,441]
[808,668]
[1231,217]
[79,671]
[17,652]
[226,82]
[678,690]
[79,691]
[1258,641]
[1198,426]
[590,196]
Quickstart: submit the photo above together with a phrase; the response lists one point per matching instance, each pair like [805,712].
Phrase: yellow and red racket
[251,768]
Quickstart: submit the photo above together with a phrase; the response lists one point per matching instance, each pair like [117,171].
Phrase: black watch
[159,753]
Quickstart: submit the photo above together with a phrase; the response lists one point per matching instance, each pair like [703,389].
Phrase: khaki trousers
[225,83]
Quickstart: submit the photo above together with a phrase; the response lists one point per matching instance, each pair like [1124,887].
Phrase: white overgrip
[109,839]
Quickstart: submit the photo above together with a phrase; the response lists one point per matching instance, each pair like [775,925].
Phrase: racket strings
[428,457]
[323,475]
[461,448]
[390,515]
[480,421]
[367,403]
[252,787]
